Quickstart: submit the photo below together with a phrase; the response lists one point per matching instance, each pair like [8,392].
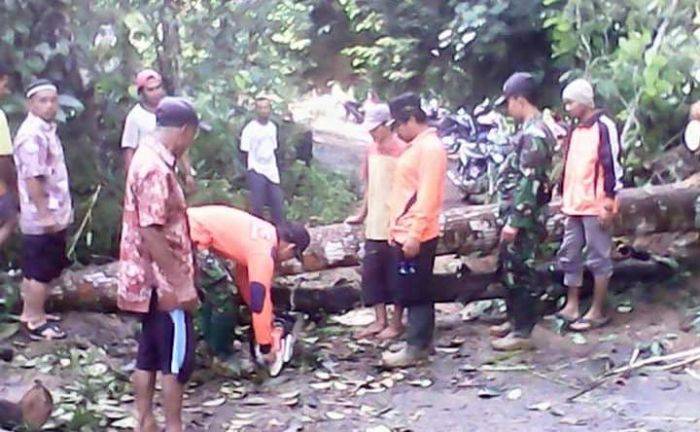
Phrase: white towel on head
[580,91]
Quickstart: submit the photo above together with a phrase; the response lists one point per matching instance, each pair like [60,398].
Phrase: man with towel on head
[46,209]
[592,176]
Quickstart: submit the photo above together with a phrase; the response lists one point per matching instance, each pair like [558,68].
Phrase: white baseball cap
[691,137]
[375,116]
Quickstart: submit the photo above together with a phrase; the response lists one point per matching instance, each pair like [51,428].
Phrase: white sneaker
[275,367]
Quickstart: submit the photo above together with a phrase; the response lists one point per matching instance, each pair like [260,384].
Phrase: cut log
[670,208]
[645,210]
[95,289]
[345,294]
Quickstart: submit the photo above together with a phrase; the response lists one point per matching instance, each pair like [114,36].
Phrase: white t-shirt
[260,142]
[139,124]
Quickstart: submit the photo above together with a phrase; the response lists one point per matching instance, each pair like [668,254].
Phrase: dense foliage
[644,57]
[221,54]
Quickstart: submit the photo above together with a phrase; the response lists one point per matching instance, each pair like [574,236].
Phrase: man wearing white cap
[378,173]
[592,176]
[46,209]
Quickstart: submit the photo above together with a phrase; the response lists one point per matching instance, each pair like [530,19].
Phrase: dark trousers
[522,283]
[415,291]
[378,270]
[265,193]
[522,311]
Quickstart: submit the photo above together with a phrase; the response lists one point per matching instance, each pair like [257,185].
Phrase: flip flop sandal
[591,324]
[43,332]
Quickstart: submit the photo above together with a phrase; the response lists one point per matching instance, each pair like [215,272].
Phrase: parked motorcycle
[479,142]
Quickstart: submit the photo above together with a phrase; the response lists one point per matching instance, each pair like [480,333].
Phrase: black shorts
[415,288]
[377,273]
[44,256]
[167,343]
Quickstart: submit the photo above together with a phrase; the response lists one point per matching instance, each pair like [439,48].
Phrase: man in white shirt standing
[259,142]
[141,121]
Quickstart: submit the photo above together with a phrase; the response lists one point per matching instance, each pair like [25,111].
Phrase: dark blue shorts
[378,272]
[44,256]
[167,343]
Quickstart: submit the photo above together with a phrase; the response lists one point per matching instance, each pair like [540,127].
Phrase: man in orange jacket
[255,245]
[591,179]
[415,205]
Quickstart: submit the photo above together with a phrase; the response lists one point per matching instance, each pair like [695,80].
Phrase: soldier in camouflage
[524,190]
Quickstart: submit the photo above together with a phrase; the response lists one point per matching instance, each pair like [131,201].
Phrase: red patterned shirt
[38,153]
[153,197]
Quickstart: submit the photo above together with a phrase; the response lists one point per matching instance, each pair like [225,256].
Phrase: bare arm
[37,195]
[156,244]
[361,214]
[128,155]
[185,165]
[243,157]
[245,146]
[130,140]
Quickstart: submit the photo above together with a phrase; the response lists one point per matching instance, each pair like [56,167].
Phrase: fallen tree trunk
[95,289]
[670,208]
[645,210]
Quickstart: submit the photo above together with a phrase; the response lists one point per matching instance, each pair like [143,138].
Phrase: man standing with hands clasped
[156,277]
[592,176]
[416,201]
[259,144]
[377,271]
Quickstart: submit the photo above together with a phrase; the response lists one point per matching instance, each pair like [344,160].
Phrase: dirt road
[335,384]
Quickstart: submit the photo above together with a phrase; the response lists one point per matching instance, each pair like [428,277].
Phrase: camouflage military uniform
[523,189]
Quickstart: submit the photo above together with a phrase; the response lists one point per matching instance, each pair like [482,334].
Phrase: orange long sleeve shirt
[251,243]
[419,184]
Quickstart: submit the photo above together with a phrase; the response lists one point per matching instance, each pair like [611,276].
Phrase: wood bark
[95,288]
[670,208]
[468,229]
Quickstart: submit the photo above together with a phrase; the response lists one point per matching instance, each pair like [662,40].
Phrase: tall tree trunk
[169,50]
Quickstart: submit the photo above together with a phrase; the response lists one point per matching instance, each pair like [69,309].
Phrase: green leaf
[7,330]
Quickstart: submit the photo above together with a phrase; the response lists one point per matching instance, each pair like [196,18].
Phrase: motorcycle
[479,143]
